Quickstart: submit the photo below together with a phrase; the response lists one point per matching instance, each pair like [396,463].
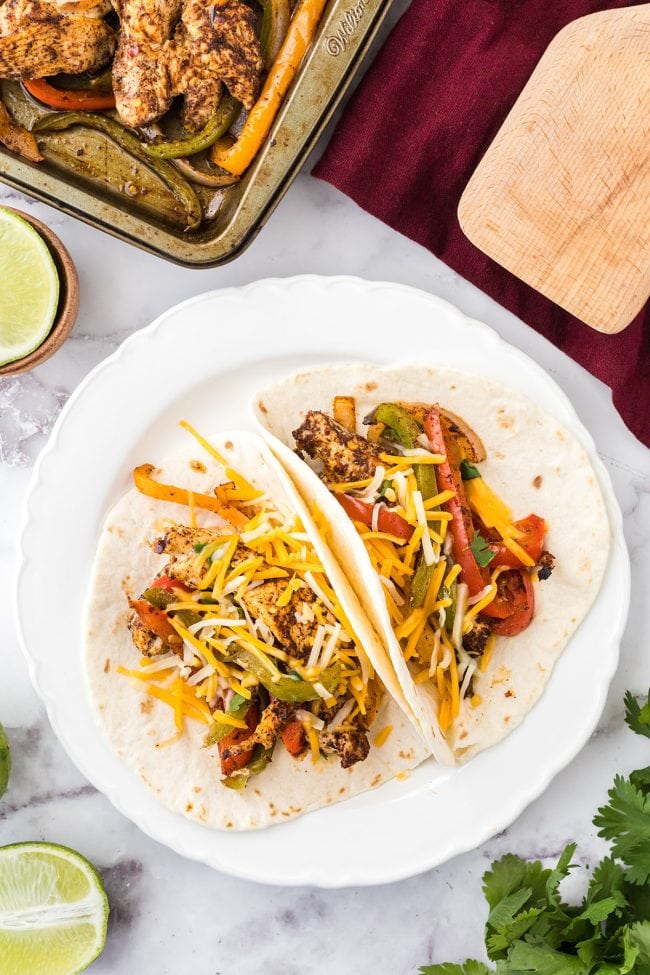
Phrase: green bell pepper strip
[165,171]
[275,21]
[219,731]
[218,125]
[405,427]
[407,430]
[282,686]
[421,581]
[259,761]
[450,592]
[162,598]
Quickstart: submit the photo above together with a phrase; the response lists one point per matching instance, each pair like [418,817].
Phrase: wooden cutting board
[562,196]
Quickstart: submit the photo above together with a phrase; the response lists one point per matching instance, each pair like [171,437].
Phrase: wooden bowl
[68,306]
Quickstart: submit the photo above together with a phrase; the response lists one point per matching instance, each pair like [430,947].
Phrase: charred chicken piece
[140,75]
[214,45]
[475,641]
[151,631]
[291,633]
[346,456]
[60,44]
[19,13]
[351,744]
[275,718]
[545,565]
[179,541]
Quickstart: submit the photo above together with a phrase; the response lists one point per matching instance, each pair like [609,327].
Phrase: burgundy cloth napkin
[416,129]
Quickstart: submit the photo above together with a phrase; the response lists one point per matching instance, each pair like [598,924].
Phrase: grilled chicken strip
[19,13]
[351,744]
[140,76]
[345,456]
[61,44]
[292,634]
[214,44]
[274,719]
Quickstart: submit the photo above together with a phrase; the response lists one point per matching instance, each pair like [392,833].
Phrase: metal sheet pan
[87,176]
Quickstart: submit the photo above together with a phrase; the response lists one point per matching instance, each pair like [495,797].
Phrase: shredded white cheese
[200,675]
[319,639]
[313,585]
[427,544]
[341,715]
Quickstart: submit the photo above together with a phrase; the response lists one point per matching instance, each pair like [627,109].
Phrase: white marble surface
[173,916]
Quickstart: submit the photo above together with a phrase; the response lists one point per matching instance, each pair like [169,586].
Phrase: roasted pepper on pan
[238,157]
[166,171]
[66,99]
[218,125]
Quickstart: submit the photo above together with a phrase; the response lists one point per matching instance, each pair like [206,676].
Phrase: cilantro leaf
[640,779]
[467,471]
[470,967]
[637,936]
[526,959]
[637,717]
[498,943]
[625,820]
[558,874]
[510,874]
[236,702]
[481,550]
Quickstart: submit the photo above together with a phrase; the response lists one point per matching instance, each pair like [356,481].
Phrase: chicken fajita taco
[228,658]
[468,520]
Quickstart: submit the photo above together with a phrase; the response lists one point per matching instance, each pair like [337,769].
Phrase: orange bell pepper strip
[81,100]
[237,158]
[294,738]
[168,492]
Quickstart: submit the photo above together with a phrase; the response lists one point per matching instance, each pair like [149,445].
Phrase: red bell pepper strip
[65,99]
[532,542]
[387,521]
[230,763]
[154,619]
[164,582]
[514,605]
[449,479]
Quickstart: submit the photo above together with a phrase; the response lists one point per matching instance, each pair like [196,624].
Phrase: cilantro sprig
[531,930]
[481,550]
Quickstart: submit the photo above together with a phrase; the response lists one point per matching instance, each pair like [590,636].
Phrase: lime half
[53,910]
[5,762]
[29,288]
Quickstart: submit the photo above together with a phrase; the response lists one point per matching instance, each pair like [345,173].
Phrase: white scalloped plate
[194,362]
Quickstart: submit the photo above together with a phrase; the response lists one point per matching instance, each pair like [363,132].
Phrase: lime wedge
[5,762]
[29,288]
[53,910]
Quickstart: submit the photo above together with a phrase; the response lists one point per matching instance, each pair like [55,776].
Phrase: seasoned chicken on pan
[208,54]
[38,38]
[214,45]
[140,74]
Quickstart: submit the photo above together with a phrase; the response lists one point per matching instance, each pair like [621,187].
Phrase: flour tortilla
[183,775]
[533,463]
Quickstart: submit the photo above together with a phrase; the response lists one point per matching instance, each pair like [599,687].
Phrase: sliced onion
[215,181]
